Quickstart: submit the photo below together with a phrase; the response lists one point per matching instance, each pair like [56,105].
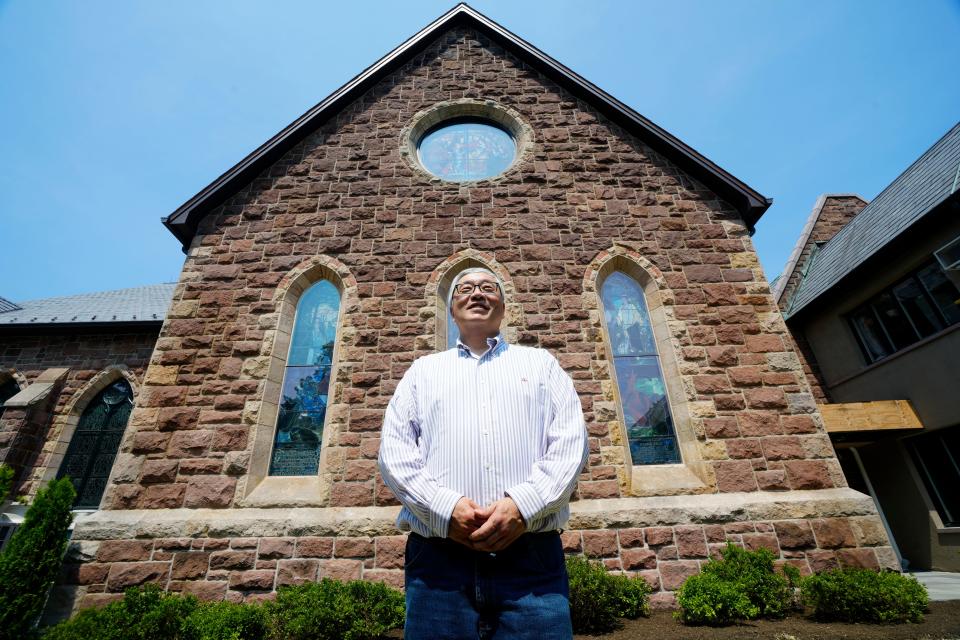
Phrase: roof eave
[184,221]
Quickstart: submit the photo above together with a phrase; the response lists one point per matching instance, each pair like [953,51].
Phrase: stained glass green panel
[646,410]
[467,150]
[95,442]
[306,384]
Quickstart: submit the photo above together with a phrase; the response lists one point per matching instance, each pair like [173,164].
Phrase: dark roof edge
[184,221]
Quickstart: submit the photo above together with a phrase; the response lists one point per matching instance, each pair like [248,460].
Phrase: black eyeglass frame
[473,286]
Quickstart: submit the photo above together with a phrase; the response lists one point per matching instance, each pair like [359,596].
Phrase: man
[482,444]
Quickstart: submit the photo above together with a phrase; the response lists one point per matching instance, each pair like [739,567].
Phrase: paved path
[941,585]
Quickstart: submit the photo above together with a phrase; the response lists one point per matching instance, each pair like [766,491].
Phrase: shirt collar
[494,343]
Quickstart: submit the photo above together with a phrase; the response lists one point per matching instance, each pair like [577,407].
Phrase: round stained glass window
[466,149]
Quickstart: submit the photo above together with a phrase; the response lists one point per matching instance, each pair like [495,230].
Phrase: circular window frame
[428,120]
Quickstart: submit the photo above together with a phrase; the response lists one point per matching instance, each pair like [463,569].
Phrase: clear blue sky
[112,114]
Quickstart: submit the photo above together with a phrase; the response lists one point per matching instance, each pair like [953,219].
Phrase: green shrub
[741,586]
[599,598]
[30,563]
[144,613]
[862,595]
[332,610]
[6,480]
[226,621]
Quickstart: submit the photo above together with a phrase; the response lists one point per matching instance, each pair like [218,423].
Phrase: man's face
[477,310]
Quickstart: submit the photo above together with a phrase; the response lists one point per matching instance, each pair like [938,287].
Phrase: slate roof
[6,305]
[931,179]
[749,202]
[137,305]
[779,284]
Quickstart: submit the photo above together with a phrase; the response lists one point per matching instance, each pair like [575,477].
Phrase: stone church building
[244,418]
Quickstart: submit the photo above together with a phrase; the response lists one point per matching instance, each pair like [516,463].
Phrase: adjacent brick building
[341,196]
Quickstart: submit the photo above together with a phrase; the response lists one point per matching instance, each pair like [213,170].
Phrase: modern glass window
[6,532]
[916,307]
[8,389]
[306,383]
[646,410]
[937,458]
[94,444]
[466,149]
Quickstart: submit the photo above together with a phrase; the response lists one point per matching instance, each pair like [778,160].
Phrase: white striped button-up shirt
[507,423]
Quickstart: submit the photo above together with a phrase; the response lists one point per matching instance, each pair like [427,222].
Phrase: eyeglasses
[486,287]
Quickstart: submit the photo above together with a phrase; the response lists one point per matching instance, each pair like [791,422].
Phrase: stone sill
[379,521]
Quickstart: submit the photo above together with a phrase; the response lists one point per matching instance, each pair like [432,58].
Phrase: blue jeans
[453,592]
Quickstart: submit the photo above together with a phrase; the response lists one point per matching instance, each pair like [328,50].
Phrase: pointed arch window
[8,389]
[646,410]
[306,383]
[95,442]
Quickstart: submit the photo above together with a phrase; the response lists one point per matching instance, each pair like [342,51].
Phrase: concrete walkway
[941,585]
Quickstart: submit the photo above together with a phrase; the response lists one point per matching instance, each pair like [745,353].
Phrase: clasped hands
[492,528]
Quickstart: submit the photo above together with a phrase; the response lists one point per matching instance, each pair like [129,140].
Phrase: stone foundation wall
[246,554]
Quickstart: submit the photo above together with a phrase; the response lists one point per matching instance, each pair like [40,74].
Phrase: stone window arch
[11,383]
[96,439]
[438,289]
[303,297]
[678,467]
[644,405]
[305,389]
[65,427]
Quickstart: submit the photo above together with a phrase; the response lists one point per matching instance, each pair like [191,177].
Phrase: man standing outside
[482,444]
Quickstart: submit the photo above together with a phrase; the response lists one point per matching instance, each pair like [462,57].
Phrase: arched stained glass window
[453,331]
[646,410]
[95,442]
[306,383]
[8,389]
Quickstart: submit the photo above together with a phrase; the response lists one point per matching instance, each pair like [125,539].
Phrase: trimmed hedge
[741,586]
[317,611]
[598,598]
[6,480]
[862,595]
[333,610]
[31,561]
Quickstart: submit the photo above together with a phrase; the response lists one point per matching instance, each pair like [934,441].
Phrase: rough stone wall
[834,214]
[26,438]
[250,568]
[346,193]
[245,554]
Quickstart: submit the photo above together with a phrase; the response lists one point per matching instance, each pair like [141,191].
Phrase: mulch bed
[942,622]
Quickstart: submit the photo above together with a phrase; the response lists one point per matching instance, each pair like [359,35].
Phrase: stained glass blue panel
[646,410]
[628,322]
[306,384]
[94,444]
[467,150]
[453,332]
[315,328]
